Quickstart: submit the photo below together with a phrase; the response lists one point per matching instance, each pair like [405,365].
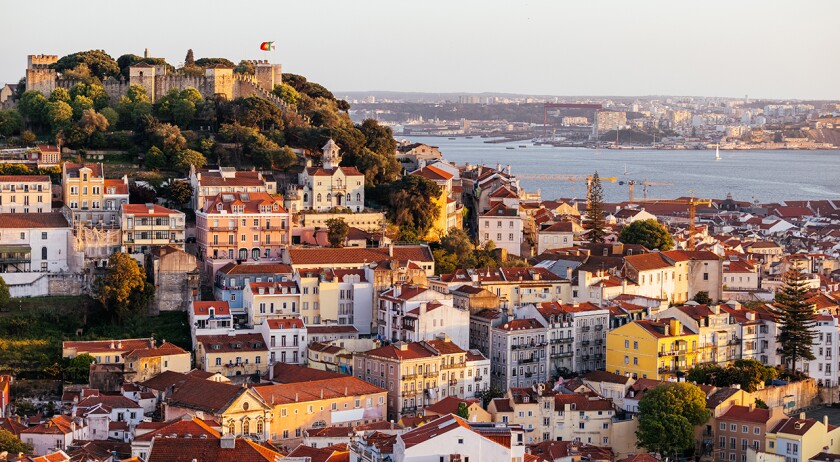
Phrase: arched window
[305,197]
[358,197]
[43,253]
[259,426]
[329,197]
[246,426]
[255,254]
[243,254]
[319,197]
[232,427]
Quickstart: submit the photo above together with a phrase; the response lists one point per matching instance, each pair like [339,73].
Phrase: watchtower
[39,76]
[268,75]
[143,74]
[220,80]
[332,155]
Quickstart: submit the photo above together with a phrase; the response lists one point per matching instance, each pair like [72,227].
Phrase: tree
[80,104]
[412,206]
[190,59]
[5,297]
[28,138]
[206,62]
[464,410]
[337,231]
[245,67]
[77,369]
[33,107]
[60,115]
[139,194]
[11,122]
[595,210]
[795,318]
[178,192]
[189,157]
[12,444]
[123,290]
[287,93]
[749,374]
[703,298]
[60,94]
[168,137]
[92,122]
[155,159]
[667,417]
[648,233]
[489,395]
[99,63]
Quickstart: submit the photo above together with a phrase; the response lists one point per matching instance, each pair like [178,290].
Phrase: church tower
[332,157]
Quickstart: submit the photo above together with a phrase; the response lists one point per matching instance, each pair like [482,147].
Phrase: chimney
[228,441]
[675,326]
[391,249]
[752,407]
[802,415]
[825,421]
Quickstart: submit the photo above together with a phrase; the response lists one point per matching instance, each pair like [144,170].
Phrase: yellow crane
[645,185]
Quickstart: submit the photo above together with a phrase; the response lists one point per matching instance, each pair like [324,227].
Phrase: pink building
[242,227]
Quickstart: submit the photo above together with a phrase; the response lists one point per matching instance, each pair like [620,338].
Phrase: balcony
[527,360]
[451,366]
[585,328]
[599,341]
[599,327]
[584,357]
[667,370]
[221,228]
[584,343]
[562,354]
[453,382]
[478,378]
[681,351]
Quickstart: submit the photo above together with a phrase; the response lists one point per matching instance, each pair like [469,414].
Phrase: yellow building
[330,400]
[232,355]
[93,200]
[651,349]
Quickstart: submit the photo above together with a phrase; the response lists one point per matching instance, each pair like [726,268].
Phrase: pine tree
[189,61]
[795,317]
[595,210]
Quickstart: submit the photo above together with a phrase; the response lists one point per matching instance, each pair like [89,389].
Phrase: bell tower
[332,156]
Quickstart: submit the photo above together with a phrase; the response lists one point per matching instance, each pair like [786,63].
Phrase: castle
[218,80]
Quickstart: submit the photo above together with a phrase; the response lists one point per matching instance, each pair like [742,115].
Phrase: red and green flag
[267,46]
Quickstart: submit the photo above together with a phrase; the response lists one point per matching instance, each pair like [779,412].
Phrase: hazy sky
[782,49]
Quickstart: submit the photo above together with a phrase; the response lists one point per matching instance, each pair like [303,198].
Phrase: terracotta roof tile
[33,220]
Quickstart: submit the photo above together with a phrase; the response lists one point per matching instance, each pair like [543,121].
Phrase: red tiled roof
[73,169]
[316,390]
[433,173]
[203,308]
[241,178]
[256,268]
[332,329]
[582,402]
[747,414]
[647,261]
[33,220]
[207,450]
[119,186]
[148,210]
[292,323]
[254,201]
[793,426]
[324,256]
[24,179]
[102,346]
[232,343]
[205,395]
[180,427]
[292,373]
[449,405]
[520,324]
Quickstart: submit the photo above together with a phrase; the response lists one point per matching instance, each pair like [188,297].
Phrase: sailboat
[717,152]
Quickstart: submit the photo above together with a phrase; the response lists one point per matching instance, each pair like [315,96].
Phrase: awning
[15,249]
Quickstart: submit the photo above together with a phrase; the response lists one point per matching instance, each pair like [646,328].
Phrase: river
[766,176]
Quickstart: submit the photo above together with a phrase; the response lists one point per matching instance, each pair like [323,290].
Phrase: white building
[451,438]
[503,226]
[823,368]
[101,411]
[413,313]
[342,297]
[330,186]
[286,340]
[271,300]
[209,318]
[478,373]
[30,246]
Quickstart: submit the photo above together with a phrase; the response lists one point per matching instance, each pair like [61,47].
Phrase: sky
[761,48]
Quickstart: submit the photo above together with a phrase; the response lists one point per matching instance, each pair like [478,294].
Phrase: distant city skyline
[764,49]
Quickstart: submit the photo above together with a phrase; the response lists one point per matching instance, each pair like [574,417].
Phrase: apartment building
[25,194]
[207,183]
[519,354]
[416,374]
[232,354]
[741,428]
[461,440]
[242,227]
[513,286]
[145,226]
[823,368]
[93,200]
[502,225]
[718,332]
[331,296]
[651,349]
[271,300]
[412,313]
[800,439]
[230,280]
[286,340]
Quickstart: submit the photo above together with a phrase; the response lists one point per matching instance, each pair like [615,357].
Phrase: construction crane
[553,177]
[692,204]
[645,184]
[546,106]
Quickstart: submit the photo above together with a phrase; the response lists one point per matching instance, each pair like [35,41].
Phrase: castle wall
[166,83]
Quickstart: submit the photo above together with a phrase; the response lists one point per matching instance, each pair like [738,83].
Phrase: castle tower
[332,156]
[220,79]
[39,76]
[144,75]
[264,72]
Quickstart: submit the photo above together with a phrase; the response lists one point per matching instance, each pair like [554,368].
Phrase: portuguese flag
[267,46]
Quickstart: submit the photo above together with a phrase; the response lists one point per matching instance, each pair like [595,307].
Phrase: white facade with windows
[36,242]
[503,226]
[25,194]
